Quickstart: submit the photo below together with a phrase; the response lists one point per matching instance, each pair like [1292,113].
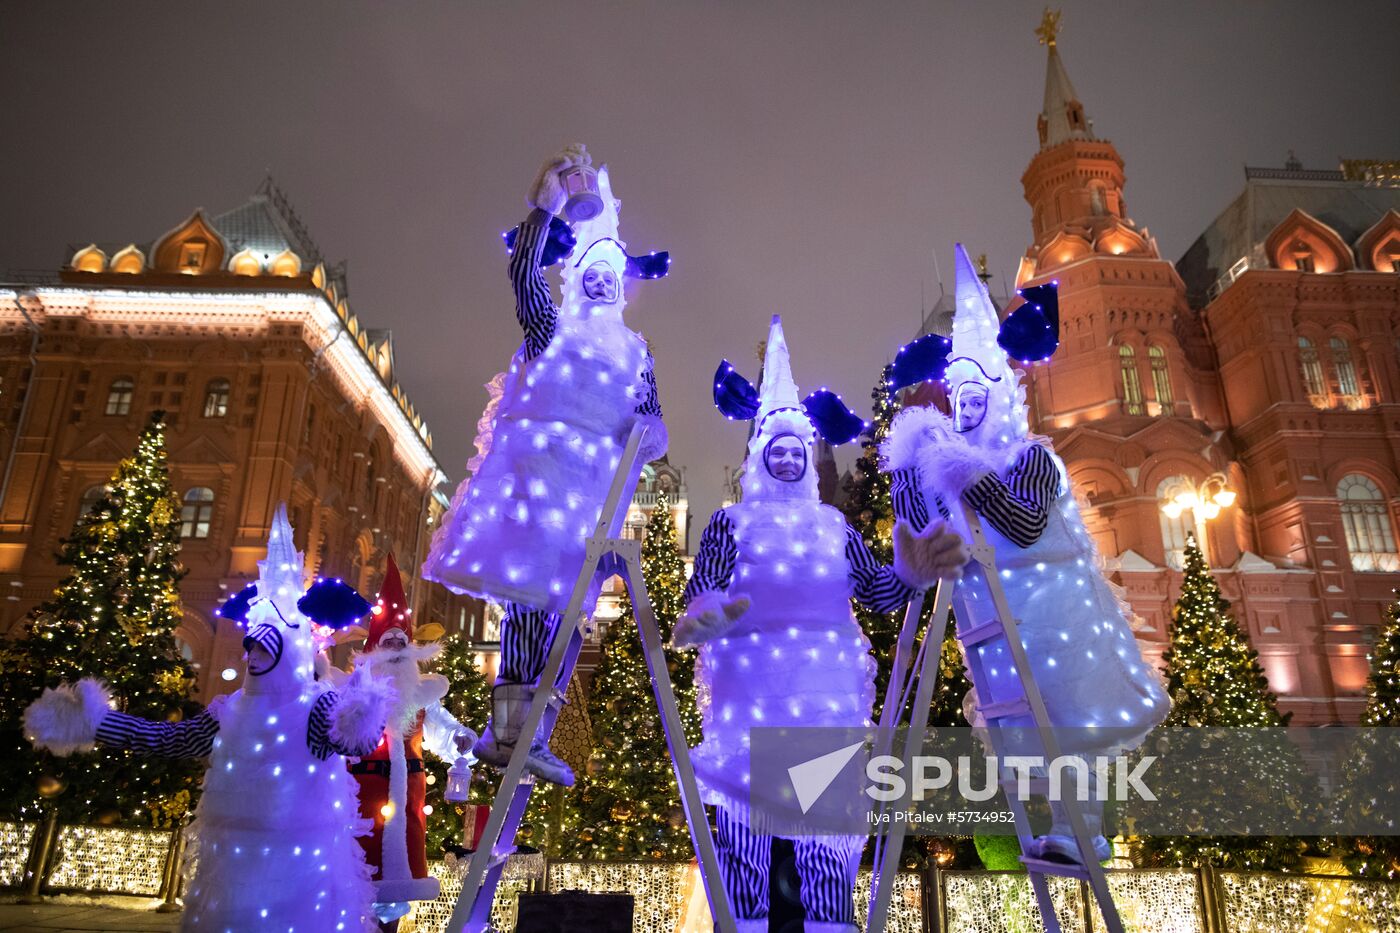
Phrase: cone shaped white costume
[516,530]
[797,657]
[1075,628]
[273,837]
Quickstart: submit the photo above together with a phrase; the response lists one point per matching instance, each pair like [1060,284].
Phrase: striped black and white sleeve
[534,305]
[649,404]
[189,738]
[318,730]
[1019,505]
[908,499]
[873,584]
[715,560]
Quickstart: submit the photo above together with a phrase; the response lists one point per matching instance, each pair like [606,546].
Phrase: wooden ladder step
[981,634]
[1017,707]
[1062,869]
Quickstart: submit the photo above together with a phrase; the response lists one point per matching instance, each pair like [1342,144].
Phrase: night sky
[800,158]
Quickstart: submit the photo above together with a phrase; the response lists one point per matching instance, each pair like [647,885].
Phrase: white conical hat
[779,412]
[280,574]
[977,357]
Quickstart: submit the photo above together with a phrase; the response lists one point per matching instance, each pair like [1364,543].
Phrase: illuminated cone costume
[1076,630]
[795,657]
[272,844]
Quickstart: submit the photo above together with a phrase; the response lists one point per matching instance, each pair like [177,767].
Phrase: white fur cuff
[65,718]
[358,719]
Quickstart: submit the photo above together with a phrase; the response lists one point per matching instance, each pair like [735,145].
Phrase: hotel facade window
[119,396]
[216,398]
[197,512]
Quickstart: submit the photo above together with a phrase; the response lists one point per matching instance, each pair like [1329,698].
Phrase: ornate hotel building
[1264,362]
[274,390]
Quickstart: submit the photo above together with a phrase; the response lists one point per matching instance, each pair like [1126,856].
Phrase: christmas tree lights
[113,616]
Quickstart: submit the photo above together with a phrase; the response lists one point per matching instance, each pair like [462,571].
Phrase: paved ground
[71,915]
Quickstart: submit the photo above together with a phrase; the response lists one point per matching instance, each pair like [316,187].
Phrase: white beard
[413,690]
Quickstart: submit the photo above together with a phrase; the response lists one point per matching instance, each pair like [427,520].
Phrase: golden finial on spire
[1049,27]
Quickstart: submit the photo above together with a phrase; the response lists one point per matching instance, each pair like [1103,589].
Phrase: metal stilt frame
[977,625]
[606,553]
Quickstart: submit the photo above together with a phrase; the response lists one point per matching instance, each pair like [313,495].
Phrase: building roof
[939,318]
[267,224]
[1060,100]
[1235,239]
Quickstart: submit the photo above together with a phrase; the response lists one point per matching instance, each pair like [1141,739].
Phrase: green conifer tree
[469,699]
[1370,774]
[625,805]
[113,617]
[1215,681]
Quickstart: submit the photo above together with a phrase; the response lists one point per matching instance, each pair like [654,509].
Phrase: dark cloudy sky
[801,158]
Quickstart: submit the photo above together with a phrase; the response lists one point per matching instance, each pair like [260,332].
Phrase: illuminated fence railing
[15,840]
[670,898]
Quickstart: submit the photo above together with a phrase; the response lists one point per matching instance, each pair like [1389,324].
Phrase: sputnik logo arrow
[811,778]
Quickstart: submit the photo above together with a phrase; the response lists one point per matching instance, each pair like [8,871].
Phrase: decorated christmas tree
[113,616]
[469,699]
[1215,681]
[869,508]
[1370,773]
[626,805]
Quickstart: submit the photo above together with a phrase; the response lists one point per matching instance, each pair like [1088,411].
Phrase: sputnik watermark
[1116,778]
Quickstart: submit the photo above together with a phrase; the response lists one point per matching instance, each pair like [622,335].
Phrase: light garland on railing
[15,840]
[110,860]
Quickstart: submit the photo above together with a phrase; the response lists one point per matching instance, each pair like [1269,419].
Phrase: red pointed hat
[391,609]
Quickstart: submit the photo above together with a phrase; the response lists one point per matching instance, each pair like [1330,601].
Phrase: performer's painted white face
[786,458]
[970,405]
[259,660]
[600,283]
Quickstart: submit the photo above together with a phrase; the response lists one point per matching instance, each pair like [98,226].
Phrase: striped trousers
[526,634]
[825,864]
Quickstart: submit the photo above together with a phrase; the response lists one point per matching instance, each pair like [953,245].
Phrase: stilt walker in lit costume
[516,530]
[770,605]
[273,838]
[391,779]
[1075,628]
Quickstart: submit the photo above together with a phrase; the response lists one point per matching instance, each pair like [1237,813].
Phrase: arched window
[1173,529]
[1132,385]
[1314,383]
[91,497]
[1346,369]
[197,512]
[216,398]
[1096,201]
[1161,379]
[119,396]
[1366,520]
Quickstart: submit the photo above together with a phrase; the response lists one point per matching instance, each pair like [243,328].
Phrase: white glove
[546,192]
[920,560]
[708,617]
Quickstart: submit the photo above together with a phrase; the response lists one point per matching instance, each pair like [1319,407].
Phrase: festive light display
[1375,856]
[469,700]
[626,805]
[111,860]
[1215,680]
[113,616]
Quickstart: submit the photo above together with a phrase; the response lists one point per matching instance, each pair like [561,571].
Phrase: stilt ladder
[977,624]
[606,553]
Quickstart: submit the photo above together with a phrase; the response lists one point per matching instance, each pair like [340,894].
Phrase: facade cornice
[153,313]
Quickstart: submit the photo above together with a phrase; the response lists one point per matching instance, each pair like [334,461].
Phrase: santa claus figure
[391,778]
[271,844]
[1076,630]
[516,530]
[770,605]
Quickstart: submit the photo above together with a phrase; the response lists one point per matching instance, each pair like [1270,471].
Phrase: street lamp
[1204,501]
